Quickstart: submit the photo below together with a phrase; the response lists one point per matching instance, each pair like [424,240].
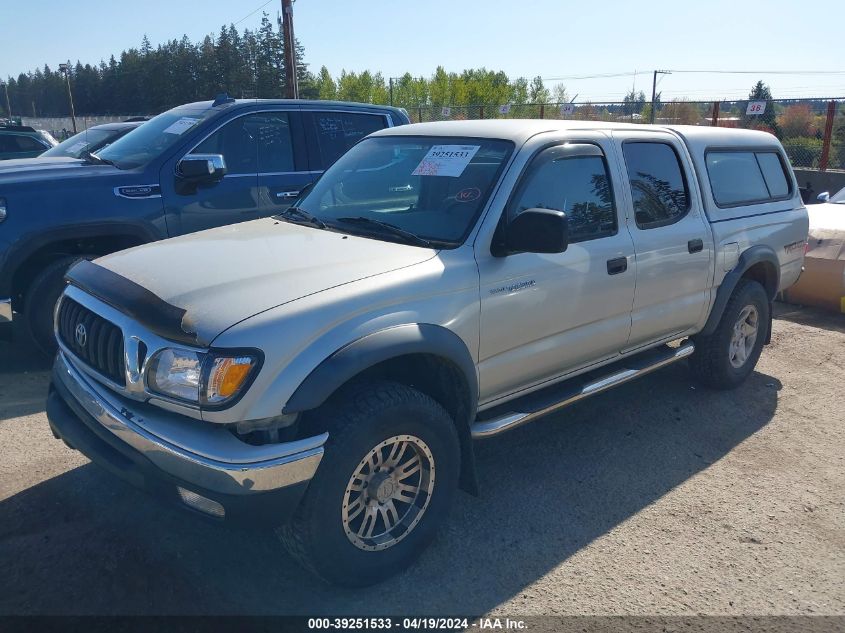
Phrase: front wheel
[384,485]
[724,359]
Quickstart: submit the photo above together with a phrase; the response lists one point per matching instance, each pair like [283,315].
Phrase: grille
[102,347]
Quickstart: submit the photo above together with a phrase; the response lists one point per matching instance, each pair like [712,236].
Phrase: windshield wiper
[386,227]
[92,157]
[298,215]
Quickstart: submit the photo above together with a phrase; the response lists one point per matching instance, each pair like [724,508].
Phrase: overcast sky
[550,38]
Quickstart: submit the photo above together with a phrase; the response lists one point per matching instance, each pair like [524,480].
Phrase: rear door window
[333,133]
[658,184]
[275,142]
[746,177]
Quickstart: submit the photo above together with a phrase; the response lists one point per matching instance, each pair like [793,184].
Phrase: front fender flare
[402,340]
[369,350]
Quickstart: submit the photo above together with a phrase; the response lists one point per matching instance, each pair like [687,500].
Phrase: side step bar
[504,418]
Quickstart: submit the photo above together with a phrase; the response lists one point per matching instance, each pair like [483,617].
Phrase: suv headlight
[205,378]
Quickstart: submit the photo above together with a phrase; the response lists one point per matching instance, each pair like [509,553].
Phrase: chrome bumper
[5,311]
[206,455]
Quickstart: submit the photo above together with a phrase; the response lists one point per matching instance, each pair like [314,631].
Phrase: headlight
[210,378]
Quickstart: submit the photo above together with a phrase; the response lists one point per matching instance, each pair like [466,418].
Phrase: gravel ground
[659,498]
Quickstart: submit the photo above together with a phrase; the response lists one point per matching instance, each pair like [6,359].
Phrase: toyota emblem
[81,335]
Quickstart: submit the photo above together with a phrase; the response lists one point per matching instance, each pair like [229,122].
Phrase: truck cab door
[671,235]
[283,165]
[546,315]
[232,199]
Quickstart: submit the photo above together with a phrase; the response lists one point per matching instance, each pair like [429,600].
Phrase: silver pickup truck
[326,371]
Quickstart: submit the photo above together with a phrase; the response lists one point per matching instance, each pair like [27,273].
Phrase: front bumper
[162,452]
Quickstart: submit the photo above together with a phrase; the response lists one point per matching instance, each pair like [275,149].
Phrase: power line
[599,76]
[764,72]
[252,13]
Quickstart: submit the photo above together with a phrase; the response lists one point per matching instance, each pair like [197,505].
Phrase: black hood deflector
[135,301]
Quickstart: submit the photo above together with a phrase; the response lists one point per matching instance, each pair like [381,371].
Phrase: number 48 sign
[756,107]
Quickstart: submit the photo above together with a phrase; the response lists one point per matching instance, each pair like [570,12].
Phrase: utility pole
[390,81]
[8,107]
[654,93]
[291,86]
[65,68]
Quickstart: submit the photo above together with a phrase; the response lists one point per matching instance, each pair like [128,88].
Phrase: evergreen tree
[767,120]
[326,87]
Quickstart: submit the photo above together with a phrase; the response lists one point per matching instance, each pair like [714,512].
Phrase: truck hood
[225,275]
[39,162]
[39,170]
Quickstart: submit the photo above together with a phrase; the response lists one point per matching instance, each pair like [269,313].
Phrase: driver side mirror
[537,231]
[202,168]
[823,197]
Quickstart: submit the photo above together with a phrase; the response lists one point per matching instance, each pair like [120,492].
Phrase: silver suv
[328,369]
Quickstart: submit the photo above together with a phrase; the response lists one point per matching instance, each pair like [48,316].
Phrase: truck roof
[520,130]
[235,103]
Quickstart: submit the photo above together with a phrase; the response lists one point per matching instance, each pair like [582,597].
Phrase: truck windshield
[156,136]
[431,187]
[86,141]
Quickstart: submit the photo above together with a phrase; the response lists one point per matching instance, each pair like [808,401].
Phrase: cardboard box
[822,283]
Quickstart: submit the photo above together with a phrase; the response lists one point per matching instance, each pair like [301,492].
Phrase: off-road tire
[360,417]
[711,362]
[41,299]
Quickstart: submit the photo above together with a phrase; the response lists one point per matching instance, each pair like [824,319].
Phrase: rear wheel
[384,485]
[41,299]
[724,359]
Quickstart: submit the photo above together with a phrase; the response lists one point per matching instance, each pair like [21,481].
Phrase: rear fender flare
[749,257]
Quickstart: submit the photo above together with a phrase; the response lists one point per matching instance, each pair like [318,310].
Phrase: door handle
[617,265]
[287,195]
[695,246]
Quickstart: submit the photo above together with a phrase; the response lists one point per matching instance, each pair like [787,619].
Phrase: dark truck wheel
[384,485]
[41,300]
[725,358]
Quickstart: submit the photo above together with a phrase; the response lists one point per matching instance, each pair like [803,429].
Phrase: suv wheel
[725,358]
[41,299]
[384,485]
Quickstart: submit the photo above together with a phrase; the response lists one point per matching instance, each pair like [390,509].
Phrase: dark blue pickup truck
[191,168]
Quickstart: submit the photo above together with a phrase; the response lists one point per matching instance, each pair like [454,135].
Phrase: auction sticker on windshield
[181,126]
[446,160]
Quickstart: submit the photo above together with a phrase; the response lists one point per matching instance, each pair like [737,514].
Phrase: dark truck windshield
[431,187]
[86,141]
[153,138]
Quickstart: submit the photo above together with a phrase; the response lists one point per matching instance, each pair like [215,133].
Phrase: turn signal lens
[226,378]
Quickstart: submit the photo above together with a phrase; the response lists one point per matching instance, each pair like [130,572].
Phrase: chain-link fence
[812,130]
[62,127]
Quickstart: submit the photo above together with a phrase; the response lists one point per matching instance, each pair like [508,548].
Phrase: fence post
[542,110]
[481,112]
[828,133]
[715,122]
[419,114]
